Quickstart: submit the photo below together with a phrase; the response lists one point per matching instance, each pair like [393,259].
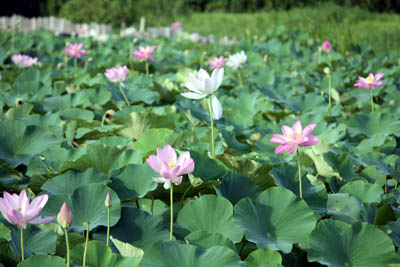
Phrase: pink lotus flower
[145,53]
[64,217]
[117,74]
[217,62]
[75,50]
[81,31]
[370,82]
[293,137]
[169,167]
[24,60]
[176,25]
[327,46]
[17,210]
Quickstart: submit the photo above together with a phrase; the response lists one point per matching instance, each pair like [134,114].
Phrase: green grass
[341,25]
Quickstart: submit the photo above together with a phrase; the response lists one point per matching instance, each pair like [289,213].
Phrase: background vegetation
[344,22]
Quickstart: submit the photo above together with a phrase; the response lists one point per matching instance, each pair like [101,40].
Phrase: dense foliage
[240,209]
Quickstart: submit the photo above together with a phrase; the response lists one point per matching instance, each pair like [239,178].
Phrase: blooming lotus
[236,61]
[176,25]
[293,137]
[24,60]
[117,74]
[18,210]
[326,46]
[64,217]
[370,82]
[75,50]
[145,53]
[217,62]
[203,86]
[169,166]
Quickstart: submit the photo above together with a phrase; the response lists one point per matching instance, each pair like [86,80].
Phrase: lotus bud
[64,217]
[327,71]
[19,102]
[265,58]
[109,115]
[108,200]
[255,137]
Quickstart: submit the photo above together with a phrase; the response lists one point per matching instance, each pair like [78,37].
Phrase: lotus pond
[295,166]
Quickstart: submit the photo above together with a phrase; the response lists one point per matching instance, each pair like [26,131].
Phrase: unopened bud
[19,102]
[265,58]
[327,71]
[109,114]
[108,200]
[64,217]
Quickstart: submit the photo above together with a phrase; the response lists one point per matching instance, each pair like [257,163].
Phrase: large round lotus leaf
[67,182]
[18,143]
[134,181]
[276,220]
[211,214]
[43,261]
[87,205]
[344,207]
[365,192]
[206,168]
[235,186]
[394,228]
[139,228]
[264,257]
[337,244]
[203,239]
[36,241]
[98,255]
[167,254]
[287,176]
[99,156]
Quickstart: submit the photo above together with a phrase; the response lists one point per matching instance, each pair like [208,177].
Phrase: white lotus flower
[203,86]
[236,61]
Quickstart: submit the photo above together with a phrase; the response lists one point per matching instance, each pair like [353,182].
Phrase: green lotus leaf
[43,261]
[166,254]
[235,187]
[204,240]
[394,228]
[211,214]
[264,257]
[5,233]
[139,228]
[99,156]
[76,113]
[384,215]
[36,241]
[336,243]
[87,205]
[341,163]
[134,181]
[380,123]
[153,138]
[344,207]
[365,192]
[67,182]
[127,250]
[277,219]
[19,111]
[287,176]
[18,143]
[206,168]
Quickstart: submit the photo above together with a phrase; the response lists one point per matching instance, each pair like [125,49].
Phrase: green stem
[147,67]
[75,62]
[67,244]
[184,194]
[103,119]
[123,95]
[108,227]
[22,245]
[86,245]
[240,78]
[152,206]
[330,93]
[212,127]
[299,167]
[372,101]
[171,196]
[131,57]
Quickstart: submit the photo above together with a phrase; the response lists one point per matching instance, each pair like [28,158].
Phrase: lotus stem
[103,119]
[131,57]
[212,127]
[67,244]
[184,194]
[22,244]
[147,67]
[123,95]
[152,206]
[86,245]
[240,78]
[372,101]
[108,226]
[299,167]
[330,92]
[75,62]
[171,196]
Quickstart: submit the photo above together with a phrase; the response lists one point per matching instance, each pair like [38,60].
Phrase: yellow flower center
[298,136]
[171,165]
[369,79]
